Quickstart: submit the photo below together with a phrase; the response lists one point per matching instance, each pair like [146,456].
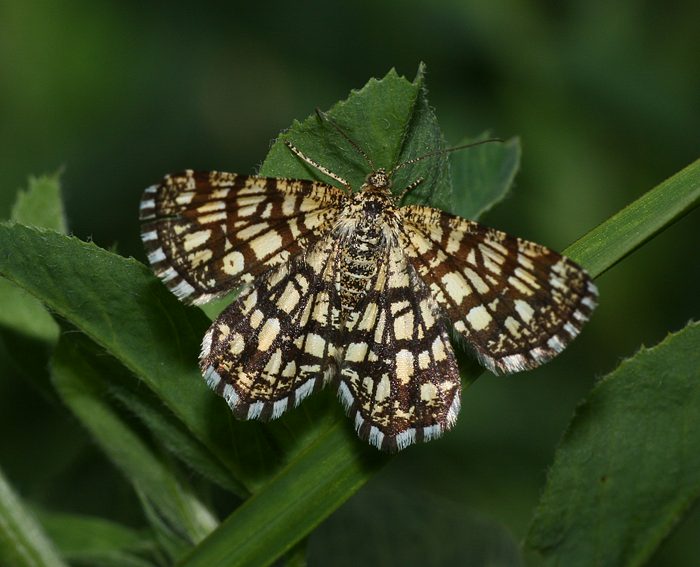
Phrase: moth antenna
[323,116]
[409,188]
[301,155]
[448,150]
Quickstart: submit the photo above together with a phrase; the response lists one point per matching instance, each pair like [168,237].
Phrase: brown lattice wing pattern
[399,381]
[276,343]
[207,233]
[515,302]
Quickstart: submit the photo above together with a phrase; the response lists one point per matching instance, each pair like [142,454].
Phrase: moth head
[378,179]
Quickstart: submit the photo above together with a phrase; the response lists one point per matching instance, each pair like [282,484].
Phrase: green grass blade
[170,432]
[294,502]
[629,466]
[80,373]
[23,542]
[631,227]
[88,540]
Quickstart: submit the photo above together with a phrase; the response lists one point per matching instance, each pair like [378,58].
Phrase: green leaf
[22,313]
[88,540]
[99,292]
[398,526]
[80,374]
[391,121]
[41,204]
[126,310]
[23,543]
[27,330]
[483,175]
[629,466]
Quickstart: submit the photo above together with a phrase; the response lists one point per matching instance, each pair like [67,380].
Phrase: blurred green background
[605,97]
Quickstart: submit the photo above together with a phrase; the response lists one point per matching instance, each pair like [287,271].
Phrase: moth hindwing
[352,289]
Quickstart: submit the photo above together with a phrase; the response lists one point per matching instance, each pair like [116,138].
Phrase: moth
[354,291]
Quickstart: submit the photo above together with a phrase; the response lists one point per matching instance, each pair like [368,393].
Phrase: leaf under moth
[391,121]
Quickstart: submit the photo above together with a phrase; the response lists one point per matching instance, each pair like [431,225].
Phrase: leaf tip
[419,79]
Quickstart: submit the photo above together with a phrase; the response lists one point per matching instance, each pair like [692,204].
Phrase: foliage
[627,469]
[125,366]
